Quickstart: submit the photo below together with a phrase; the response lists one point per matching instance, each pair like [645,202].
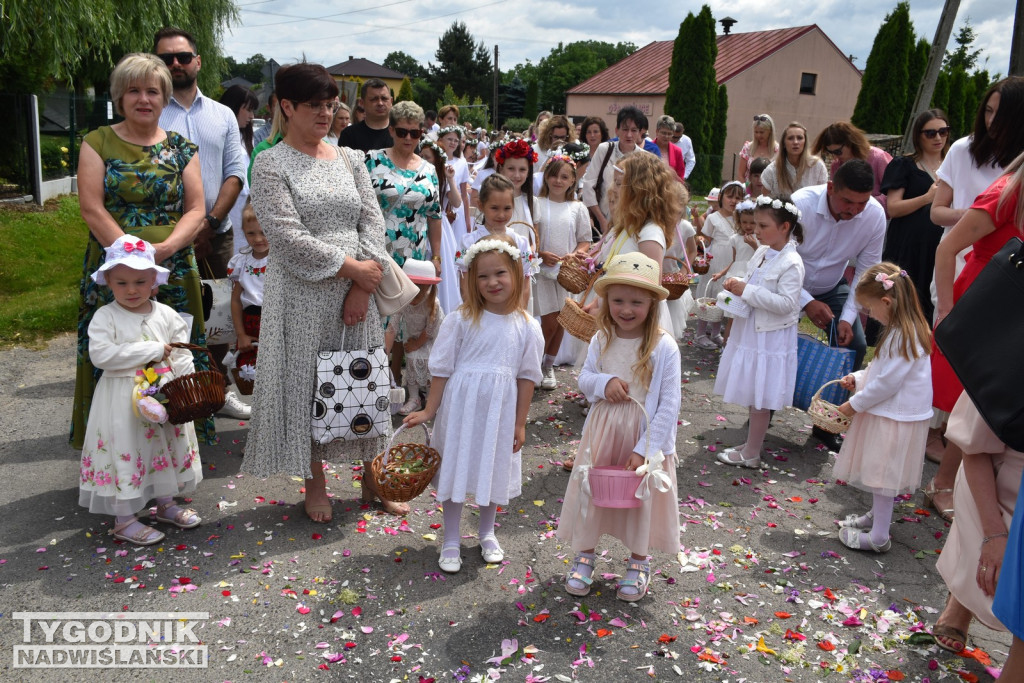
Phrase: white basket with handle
[826,415]
[707,307]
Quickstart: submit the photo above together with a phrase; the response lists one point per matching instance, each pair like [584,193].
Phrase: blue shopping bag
[818,363]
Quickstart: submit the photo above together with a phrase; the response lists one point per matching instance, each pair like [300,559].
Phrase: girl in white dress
[883,452]
[247,271]
[743,244]
[484,365]
[563,224]
[719,228]
[515,161]
[415,327]
[450,139]
[758,366]
[632,362]
[448,294]
[684,248]
[131,453]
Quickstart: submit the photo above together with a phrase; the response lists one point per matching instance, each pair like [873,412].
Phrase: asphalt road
[762,591]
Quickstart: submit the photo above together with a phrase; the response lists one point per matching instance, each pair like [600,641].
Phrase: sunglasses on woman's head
[413,133]
[931,133]
[761,117]
[182,57]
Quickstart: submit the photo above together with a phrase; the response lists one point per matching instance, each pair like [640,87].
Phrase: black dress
[911,240]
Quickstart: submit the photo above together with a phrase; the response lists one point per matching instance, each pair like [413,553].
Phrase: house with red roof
[792,74]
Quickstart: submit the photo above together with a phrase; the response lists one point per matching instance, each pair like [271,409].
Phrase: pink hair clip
[886,281]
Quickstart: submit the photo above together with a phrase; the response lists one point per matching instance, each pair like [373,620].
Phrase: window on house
[808,83]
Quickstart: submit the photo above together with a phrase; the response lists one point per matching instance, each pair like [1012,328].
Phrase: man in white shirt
[684,143]
[841,221]
[213,127]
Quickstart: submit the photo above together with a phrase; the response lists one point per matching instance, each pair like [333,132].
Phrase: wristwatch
[213,221]
[436,259]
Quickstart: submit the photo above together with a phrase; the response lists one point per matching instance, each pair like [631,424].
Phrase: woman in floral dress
[135,178]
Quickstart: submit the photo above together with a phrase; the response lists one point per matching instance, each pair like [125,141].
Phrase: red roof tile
[646,70]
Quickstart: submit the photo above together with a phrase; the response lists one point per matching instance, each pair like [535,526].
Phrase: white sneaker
[719,340]
[549,382]
[705,342]
[235,407]
[410,406]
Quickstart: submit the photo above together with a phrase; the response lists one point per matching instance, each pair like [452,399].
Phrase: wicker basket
[196,396]
[244,386]
[826,415]
[707,307]
[575,320]
[574,275]
[390,469]
[678,282]
[701,268]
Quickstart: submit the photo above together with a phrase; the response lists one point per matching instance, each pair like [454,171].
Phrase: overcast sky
[329,32]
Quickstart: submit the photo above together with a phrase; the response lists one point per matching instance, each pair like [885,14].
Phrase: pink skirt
[609,436]
[881,455]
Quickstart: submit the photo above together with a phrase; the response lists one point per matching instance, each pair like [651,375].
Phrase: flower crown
[464,259]
[434,147]
[745,205]
[763,201]
[558,156]
[577,156]
[495,144]
[441,132]
[517,149]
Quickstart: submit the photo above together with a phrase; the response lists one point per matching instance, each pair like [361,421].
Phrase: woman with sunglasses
[406,187]
[909,184]
[844,141]
[555,132]
[763,145]
[327,257]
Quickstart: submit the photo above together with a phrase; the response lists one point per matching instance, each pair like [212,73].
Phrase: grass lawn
[40,269]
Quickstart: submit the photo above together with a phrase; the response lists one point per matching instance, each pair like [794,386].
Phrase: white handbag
[352,397]
[220,326]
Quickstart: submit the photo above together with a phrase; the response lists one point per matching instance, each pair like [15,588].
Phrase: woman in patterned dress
[135,178]
[327,256]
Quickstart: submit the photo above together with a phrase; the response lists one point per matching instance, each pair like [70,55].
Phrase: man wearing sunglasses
[372,131]
[222,161]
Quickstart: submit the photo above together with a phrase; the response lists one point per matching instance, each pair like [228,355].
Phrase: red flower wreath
[517,149]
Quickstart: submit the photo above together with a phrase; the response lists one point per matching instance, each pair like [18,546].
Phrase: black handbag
[981,339]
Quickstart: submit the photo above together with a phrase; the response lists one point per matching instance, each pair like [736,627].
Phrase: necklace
[929,169]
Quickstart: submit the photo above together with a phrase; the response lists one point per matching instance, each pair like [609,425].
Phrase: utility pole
[1017,46]
[931,72]
[497,78]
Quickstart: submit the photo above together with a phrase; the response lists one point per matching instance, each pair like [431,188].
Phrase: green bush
[517,125]
[54,153]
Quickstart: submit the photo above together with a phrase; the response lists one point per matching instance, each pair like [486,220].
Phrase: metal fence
[44,137]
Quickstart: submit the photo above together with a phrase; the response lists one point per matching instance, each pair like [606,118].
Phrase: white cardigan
[776,299]
[663,396]
[894,387]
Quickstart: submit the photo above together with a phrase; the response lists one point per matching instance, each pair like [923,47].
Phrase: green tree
[692,95]
[940,98]
[78,42]
[464,66]
[963,56]
[883,92]
[512,99]
[405,91]
[530,108]
[405,64]
[957,92]
[569,65]
[718,133]
[916,67]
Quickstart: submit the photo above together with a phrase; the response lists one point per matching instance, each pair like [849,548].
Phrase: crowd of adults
[337,189]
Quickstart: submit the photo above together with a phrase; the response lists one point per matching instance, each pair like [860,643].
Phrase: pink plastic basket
[614,487]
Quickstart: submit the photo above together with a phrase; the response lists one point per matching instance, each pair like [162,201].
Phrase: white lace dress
[127,461]
[475,425]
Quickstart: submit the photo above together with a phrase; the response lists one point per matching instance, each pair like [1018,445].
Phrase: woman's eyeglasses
[182,57]
[932,132]
[316,107]
[413,133]
[834,151]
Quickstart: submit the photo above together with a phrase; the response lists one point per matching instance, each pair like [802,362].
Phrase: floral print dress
[407,199]
[143,191]
[127,461]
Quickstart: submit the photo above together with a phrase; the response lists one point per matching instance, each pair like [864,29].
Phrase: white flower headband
[745,205]
[450,129]
[465,259]
[777,204]
[495,144]
[435,147]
